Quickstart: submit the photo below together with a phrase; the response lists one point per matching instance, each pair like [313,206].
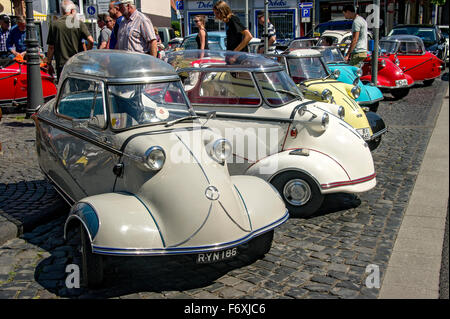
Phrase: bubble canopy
[239,61]
[118,66]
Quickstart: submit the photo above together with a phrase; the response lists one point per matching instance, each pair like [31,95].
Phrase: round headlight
[341,112]
[221,150]
[326,95]
[325,120]
[336,74]
[383,63]
[359,72]
[155,158]
[356,91]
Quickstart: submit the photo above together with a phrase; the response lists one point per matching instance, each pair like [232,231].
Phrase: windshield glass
[142,104]
[331,55]
[303,43]
[303,69]
[388,46]
[277,88]
[426,34]
[221,88]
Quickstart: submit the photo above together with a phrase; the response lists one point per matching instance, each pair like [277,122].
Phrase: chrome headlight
[359,72]
[155,158]
[341,112]
[325,120]
[336,74]
[356,91]
[221,150]
[383,63]
[326,95]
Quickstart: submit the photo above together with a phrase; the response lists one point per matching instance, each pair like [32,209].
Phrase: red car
[390,77]
[13,83]
[412,57]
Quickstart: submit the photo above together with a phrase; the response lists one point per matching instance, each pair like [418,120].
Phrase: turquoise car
[370,95]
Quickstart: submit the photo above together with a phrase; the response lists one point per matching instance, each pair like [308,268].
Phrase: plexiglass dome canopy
[117,65]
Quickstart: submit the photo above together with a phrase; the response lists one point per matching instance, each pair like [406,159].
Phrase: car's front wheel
[400,93]
[91,264]
[300,193]
[374,107]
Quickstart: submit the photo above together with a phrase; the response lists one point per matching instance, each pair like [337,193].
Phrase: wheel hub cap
[297,192]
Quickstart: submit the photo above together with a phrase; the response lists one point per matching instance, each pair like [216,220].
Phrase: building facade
[284,14]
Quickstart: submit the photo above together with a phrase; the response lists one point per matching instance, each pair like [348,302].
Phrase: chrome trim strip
[235,222]
[350,182]
[148,79]
[377,134]
[196,232]
[188,250]
[237,69]
[369,102]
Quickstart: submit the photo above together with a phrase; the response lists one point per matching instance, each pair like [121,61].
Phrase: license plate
[211,257]
[365,133]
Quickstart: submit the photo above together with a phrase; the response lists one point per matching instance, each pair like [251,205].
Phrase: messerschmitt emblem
[212,193]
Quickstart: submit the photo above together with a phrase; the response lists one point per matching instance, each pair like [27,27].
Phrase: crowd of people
[126,28]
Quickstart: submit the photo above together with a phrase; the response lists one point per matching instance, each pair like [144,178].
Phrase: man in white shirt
[358,48]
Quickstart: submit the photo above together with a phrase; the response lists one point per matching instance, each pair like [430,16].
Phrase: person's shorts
[357,58]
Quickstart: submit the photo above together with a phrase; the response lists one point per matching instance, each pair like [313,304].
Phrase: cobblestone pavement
[324,256]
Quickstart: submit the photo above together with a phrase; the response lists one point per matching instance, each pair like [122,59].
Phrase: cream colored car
[144,177]
[277,134]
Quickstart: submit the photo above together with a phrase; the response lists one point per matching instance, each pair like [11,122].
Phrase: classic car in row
[369,95]
[431,35]
[144,176]
[277,134]
[409,53]
[310,72]
[13,81]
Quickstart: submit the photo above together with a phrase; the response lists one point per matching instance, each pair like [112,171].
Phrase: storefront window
[283,21]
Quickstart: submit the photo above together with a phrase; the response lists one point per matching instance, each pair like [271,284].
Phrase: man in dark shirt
[65,36]
[114,12]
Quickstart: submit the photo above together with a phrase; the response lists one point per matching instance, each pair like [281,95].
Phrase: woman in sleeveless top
[202,36]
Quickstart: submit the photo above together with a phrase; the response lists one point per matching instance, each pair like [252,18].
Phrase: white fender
[321,167]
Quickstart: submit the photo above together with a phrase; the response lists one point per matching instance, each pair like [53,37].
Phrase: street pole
[266,26]
[34,84]
[314,16]
[376,35]
[246,14]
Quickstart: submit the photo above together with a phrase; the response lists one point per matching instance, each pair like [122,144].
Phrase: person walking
[114,12]
[271,34]
[15,42]
[65,37]
[106,24]
[238,36]
[358,47]
[136,32]
[202,35]
[4,32]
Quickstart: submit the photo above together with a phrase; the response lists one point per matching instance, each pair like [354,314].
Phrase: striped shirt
[135,33]
[3,38]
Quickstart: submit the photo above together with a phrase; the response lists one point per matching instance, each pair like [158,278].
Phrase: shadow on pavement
[337,202]
[128,275]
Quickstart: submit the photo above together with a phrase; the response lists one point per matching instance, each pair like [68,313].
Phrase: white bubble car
[144,177]
[277,134]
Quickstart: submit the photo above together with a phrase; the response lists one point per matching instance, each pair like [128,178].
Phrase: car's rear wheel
[373,144]
[428,82]
[91,264]
[261,245]
[400,93]
[300,193]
